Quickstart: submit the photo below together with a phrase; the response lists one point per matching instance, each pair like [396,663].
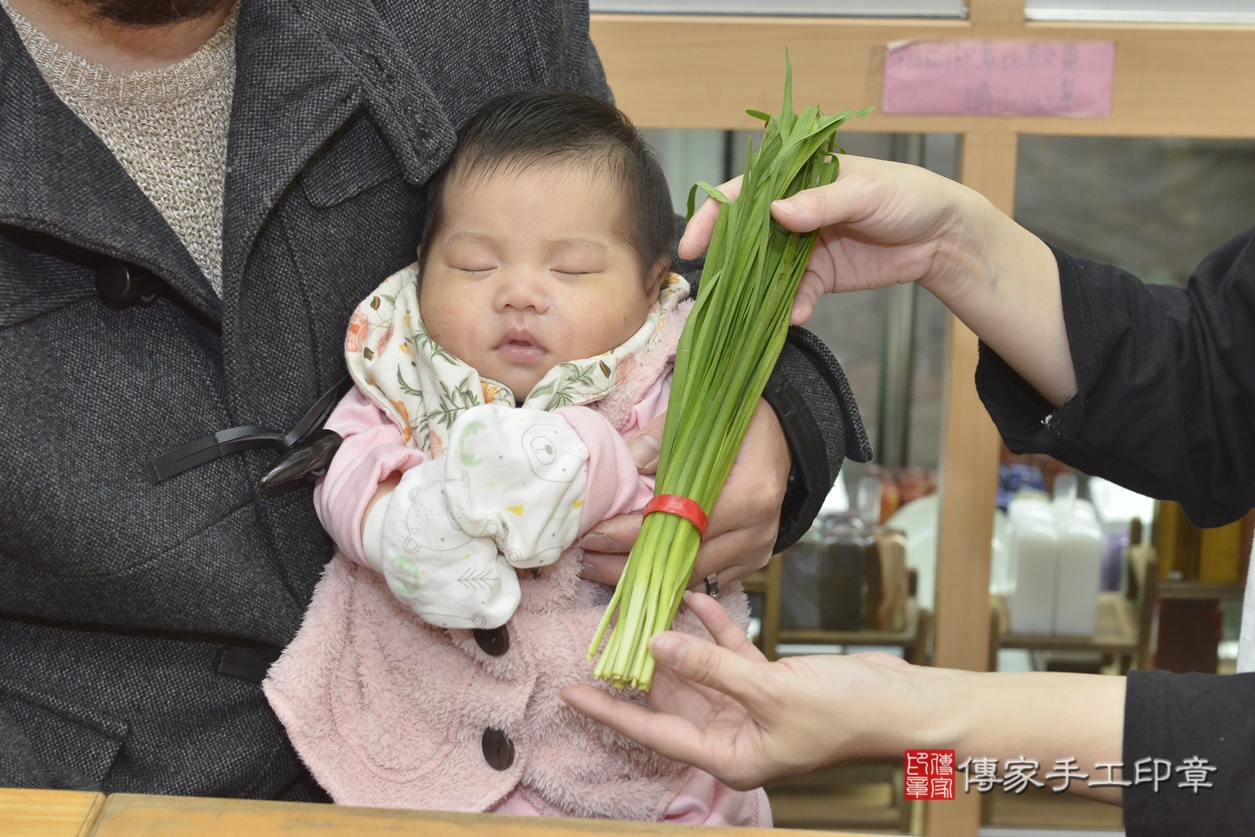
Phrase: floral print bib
[424,389]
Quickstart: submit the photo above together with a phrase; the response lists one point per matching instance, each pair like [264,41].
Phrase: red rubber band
[680,507]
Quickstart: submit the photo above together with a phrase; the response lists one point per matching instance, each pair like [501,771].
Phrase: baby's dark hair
[521,129]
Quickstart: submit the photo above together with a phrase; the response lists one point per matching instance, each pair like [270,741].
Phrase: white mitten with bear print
[507,494]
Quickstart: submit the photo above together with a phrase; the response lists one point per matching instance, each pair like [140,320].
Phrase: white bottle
[1081,546]
[1035,556]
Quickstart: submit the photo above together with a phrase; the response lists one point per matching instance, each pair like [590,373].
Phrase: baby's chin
[521,379]
[520,383]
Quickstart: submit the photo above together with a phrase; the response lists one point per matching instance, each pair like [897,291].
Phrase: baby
[482,439]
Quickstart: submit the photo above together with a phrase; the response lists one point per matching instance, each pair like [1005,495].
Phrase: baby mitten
[507,494]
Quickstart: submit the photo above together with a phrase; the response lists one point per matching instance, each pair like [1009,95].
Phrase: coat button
[498,749]
[120,286]
[493,642]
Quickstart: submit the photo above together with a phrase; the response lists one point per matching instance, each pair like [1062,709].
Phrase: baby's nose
[525,290]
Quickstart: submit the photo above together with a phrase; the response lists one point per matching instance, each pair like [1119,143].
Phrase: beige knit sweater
[167,127]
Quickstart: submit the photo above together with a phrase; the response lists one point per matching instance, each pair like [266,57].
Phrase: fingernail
[587,571]
[786,207]
[669,649]
[598,542]
[644,449]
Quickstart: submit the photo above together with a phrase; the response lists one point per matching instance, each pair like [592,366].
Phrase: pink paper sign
[999,78]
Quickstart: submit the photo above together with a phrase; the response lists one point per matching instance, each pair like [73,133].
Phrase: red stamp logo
[929,774]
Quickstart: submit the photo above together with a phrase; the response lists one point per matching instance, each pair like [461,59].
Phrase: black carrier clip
[305,451]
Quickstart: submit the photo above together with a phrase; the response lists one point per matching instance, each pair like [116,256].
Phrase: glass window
[1153,206]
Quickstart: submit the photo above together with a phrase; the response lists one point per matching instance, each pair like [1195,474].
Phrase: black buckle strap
[307,460]
[316,416]
[250,665]
[251,437]
[207,449]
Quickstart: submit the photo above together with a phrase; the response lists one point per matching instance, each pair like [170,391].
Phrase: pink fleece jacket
[389,711]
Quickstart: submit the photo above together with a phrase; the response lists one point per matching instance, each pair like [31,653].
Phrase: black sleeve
[1166,384]
[815,406]
[1179,717]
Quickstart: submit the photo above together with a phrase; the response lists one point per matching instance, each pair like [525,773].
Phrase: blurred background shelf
[1198,590]
[1116,635]
[913,640]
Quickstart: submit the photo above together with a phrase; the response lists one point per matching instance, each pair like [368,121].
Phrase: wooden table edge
[132,815]
[93,816]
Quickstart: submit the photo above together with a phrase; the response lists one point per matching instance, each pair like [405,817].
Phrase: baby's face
[528,271]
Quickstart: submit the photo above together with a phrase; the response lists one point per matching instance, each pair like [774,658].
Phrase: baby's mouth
[518,345]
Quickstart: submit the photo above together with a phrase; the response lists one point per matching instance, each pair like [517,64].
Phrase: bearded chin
[151,12]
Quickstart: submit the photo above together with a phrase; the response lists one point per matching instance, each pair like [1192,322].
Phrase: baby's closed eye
[572,269]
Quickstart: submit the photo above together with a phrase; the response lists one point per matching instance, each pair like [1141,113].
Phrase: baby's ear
[658,274]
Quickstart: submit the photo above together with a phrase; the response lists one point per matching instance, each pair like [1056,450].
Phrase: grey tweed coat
[135,619]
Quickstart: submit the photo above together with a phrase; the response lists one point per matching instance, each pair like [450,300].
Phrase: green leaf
[708,189]
[729,346]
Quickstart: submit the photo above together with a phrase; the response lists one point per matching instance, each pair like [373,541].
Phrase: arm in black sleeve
[815,406]
[1166,384]
[812,398]
[1175,717]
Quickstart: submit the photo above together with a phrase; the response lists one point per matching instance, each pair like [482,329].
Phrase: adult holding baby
[1148,386]
[193,197]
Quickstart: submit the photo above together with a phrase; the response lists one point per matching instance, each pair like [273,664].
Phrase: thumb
[644,446]
[706,664]
[811,209]
[809,291]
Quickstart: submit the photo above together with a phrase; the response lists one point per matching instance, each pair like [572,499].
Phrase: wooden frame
[53,813]
[677,71]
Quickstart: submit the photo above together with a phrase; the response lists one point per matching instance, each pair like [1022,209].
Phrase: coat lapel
[302,70]
[301,73]
[57,177]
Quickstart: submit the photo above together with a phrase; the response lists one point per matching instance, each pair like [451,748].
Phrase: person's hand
[879,224]
[726,710]
[743,524]
[882,224]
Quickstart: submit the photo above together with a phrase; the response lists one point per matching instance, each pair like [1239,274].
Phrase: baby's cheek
[601,326]
[448,321]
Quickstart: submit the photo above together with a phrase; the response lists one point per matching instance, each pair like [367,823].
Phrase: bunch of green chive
[730,344]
